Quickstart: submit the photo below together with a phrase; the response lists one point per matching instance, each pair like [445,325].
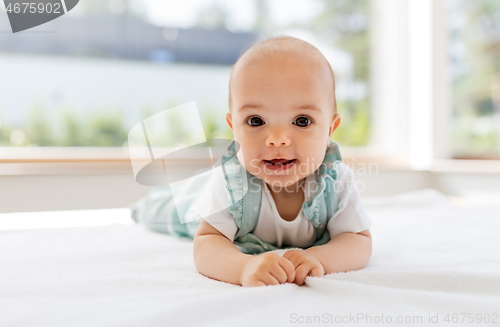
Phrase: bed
[435,258]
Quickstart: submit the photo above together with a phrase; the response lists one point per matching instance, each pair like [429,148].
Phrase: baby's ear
[229,120]
[337,118]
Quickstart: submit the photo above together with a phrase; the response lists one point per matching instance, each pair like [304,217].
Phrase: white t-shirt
[300,232]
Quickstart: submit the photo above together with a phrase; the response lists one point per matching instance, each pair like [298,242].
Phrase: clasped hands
[271,269]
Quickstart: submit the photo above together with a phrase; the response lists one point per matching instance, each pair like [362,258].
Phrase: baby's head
[282,105]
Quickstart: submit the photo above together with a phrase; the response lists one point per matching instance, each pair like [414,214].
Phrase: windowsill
[106,160]
[63,155]
[466,166]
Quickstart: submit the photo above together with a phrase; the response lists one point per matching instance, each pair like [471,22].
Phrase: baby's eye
[302,121]
[255,121]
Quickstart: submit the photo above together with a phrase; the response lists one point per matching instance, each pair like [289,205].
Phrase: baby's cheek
[244,159]
[250,164]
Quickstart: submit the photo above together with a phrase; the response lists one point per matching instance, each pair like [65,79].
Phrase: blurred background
[82,81]
[86,79]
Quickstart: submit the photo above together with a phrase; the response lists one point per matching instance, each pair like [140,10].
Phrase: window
[474,52]
[416,80]
[85,79]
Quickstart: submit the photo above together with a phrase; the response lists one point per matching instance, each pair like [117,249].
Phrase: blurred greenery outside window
[474,52]
[342,24]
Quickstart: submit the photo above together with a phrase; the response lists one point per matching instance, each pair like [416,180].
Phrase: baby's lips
[279,161]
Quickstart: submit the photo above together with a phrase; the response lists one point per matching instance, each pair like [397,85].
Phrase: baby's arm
[215,256]
[345,252]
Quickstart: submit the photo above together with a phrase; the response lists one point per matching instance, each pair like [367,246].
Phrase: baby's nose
[278,138]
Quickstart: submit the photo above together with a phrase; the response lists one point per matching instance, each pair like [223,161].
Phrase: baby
[283,115]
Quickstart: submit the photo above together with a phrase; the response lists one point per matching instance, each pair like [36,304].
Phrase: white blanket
[431,257]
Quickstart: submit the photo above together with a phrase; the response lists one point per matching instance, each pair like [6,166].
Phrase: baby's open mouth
[282,162]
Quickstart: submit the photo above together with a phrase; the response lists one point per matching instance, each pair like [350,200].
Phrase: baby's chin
[282,181]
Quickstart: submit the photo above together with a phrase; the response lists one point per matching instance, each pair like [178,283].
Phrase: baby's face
[282,108]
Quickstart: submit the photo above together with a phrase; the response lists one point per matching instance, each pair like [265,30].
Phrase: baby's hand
[305,264]
[267,269]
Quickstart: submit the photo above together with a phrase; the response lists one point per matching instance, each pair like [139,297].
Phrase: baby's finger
[269,279]
[279,273]
[317,272]
[301,273]
[289,268]
[293,257]
[256,283]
